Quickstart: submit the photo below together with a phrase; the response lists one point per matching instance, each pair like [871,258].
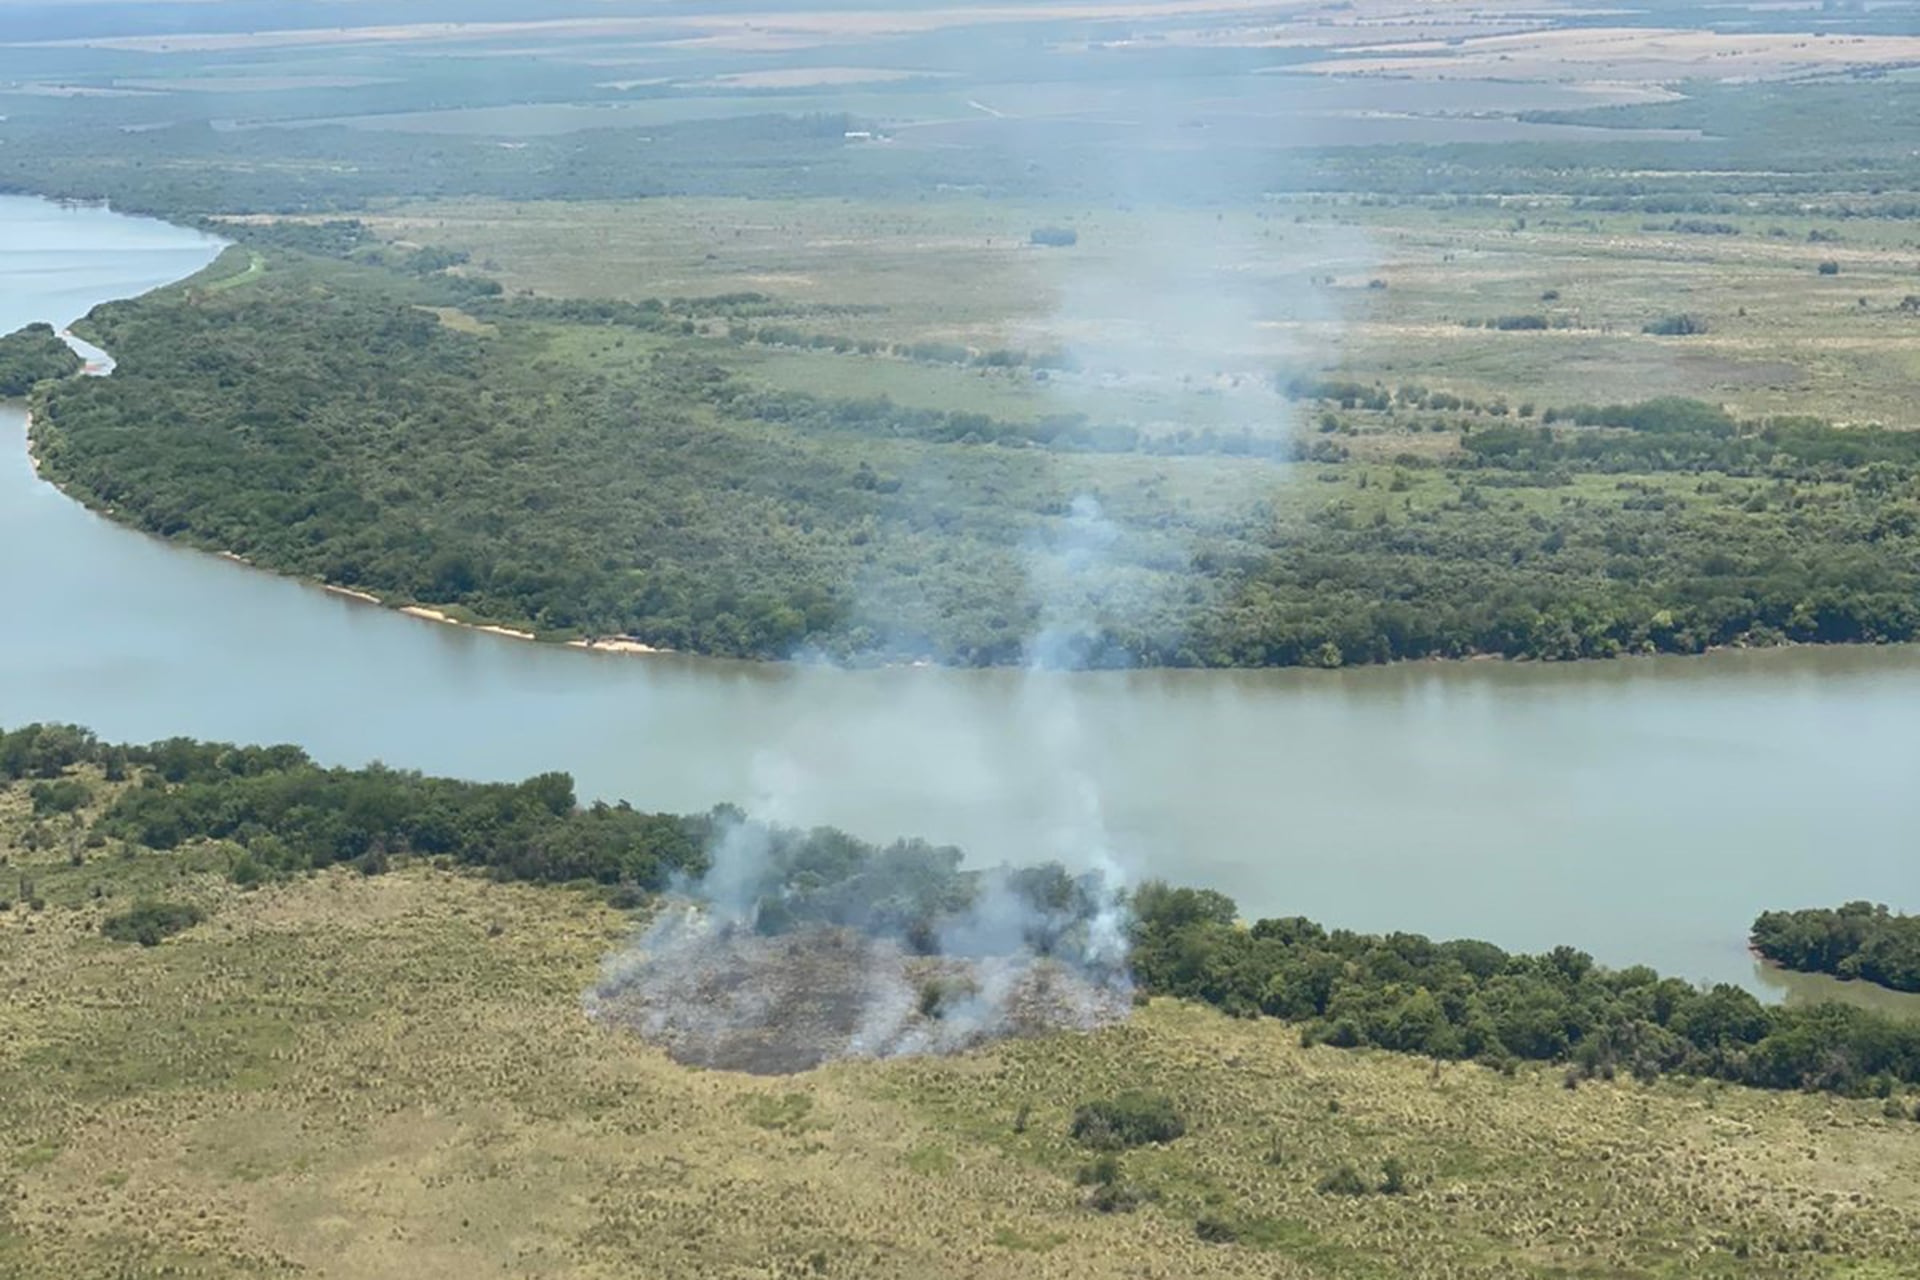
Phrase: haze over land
[872,344]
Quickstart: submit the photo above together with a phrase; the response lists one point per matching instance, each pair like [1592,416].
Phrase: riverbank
[436,615]
[1528,803]
[103,366]
[629,646]
[1479,799]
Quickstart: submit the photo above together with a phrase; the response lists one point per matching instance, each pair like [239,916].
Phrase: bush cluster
[1859,940]
[1132,1119]
[1470,999]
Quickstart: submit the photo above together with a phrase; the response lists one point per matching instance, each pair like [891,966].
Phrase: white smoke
[752,967]
[769,963]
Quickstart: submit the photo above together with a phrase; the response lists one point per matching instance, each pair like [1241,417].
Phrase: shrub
[149,922]
[1131,1119]
[1103,1172]
[938,996]
[1829,268]
[1675,326]
[1344,1181]
[1116,1197]
[61,796]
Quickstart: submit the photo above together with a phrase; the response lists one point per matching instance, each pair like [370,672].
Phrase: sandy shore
[103,368]
[615,644]
[425,613]
[435,615]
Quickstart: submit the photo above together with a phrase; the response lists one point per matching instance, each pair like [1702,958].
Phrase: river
[1644,810]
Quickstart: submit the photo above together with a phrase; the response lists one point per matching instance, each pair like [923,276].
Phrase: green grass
[931,1160]
[256,265]
[1782,339]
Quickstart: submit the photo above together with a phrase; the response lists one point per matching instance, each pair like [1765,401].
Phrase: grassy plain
[391,1076]
[1169,307]
[384,1076]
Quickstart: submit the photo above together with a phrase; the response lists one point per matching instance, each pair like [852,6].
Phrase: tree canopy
[1859,940]
[31,356]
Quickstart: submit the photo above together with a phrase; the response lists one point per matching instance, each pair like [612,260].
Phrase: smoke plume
[795,948]
[798,947]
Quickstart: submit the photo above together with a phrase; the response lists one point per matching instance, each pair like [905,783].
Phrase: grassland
[1167,307]
[392,1075]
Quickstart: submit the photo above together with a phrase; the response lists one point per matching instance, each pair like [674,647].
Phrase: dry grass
[806,77]
[395,1077]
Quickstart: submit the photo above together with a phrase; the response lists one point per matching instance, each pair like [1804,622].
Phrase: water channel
[1644,810]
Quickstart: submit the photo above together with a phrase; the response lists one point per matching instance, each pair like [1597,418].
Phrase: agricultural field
[361,1075]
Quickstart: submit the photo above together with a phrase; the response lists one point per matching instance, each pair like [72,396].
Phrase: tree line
[1859,940]
[1472,1000]
[281,814]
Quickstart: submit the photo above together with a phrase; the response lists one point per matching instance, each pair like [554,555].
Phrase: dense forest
[1859,940]
[600,469]
[334,428]
[282,814]
[33,355]
[278,814]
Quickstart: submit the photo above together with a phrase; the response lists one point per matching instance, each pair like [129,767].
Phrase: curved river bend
[1644,810]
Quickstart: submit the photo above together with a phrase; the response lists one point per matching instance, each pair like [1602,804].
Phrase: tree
[1133,1119]
[33,355]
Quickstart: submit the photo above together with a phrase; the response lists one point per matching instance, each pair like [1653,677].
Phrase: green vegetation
[148,923]
[1470,999]
[747,372]
[747,367]
[280,813]
[422,1019]
[1859,940]
[1133,1119]
[343,433]
[318,420]
[31,356]
[268,813]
